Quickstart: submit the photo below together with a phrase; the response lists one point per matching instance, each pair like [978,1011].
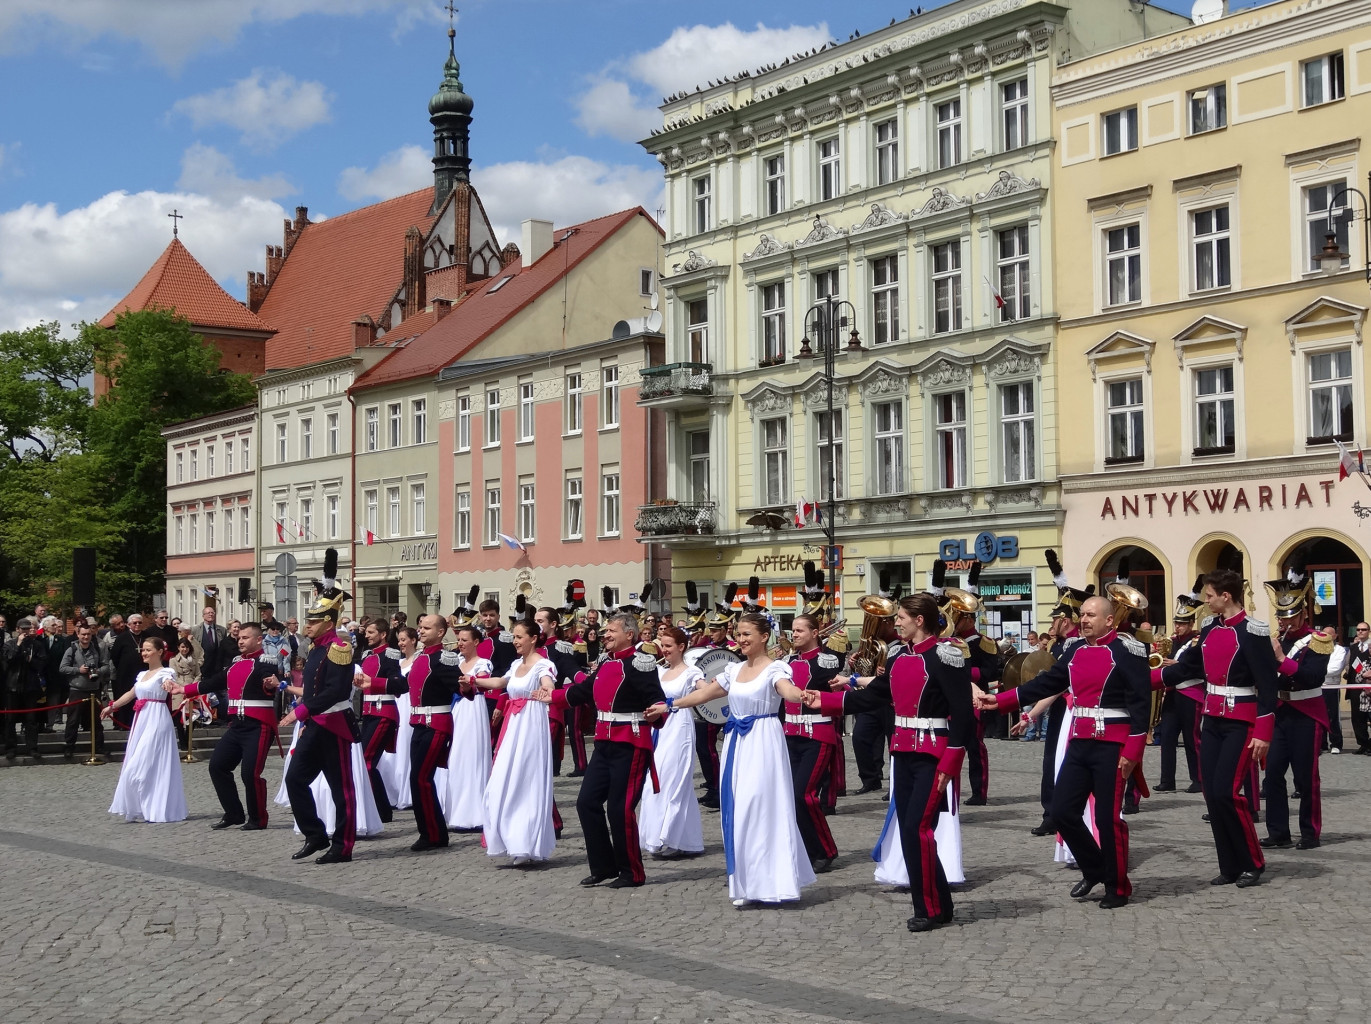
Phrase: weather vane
[175,216]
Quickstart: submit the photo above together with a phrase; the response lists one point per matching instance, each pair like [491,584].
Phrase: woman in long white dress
[763,849]
[669,819]
[150,784]
[462,784]
[395,767]
[518,797]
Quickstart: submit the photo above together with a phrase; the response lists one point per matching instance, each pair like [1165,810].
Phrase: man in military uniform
[706,734]
[1181,705]
[1301,713]
[983,662]
[434,680]
[380,681]
[330,727]
[561,651]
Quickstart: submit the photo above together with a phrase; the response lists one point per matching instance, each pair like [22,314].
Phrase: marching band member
[434,679]
[380,681]
[706,733]
[984,665]
[1182,703]
[811,739]
[1106,675]
[669,818]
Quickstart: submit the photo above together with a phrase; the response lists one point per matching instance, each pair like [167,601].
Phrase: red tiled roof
[488,308]
[340,269]
[178,281]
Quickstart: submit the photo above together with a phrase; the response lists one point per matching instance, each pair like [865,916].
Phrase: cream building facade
[1207,364]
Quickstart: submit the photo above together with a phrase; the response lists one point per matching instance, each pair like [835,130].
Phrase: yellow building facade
[1207,364]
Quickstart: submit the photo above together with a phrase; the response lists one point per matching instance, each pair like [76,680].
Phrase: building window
[609,504]
[247,454]
[1121,131]
[246,521]
[950,423]
[418,504]
[1125,400]
[209,531]
[697,330]
[573,403]
[1018,432]
[228,458]
[209,462]
[947,287]
[281,518]
[229,535]
[1214,411]
[885,300]
[331,428]
[1330,396]
[704,202]
[334,521]
[825,284]
[775,460]
[698,443]
[773,174]
[464,423]
[462,520]
[307,517]
[492,417]
[646,281]
[887,151]
[180,534]
[306,438]
[393,527]
[1321,79]
[1014,107]
[1012,269]
[888,420]
[525,412]
[372,438]
[1319,221]
[180,466]
[949,121]
[609,395]
[1123,264]
[373,513]
[528,513]
[773,323]
[194,532]
[828,440]
[1208,108]
[492,515]
[419,416]
[195,463]
[393,419]
[1211,241]
[306,390]
[575,508]
[830,169]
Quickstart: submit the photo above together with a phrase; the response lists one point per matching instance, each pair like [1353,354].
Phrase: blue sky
[236,111]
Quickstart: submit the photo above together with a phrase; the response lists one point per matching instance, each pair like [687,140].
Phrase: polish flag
[803,510]
[1347,464]
[995,293]
[280,531]
[366,536]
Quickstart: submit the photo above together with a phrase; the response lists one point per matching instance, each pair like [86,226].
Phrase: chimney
[292,231]
[257,290]
[275,257]
[537,240]
[441,308]
[363,332]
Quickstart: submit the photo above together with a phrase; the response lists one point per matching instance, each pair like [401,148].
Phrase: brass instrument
[1126,600]
[956,603]
[869,658]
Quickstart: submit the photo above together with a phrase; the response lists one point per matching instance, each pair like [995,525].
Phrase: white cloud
[690,56]
[400,171]
[207,171]
[267,107]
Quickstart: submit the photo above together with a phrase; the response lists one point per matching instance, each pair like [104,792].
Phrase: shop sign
[985,549]
[793,563]
[1215,500]
[422,551]
[1326,586]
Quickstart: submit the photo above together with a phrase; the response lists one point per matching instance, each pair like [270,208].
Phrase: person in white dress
[462,784]
[150,786]
[395,767]
[669,817]
[518,798]
[763,849]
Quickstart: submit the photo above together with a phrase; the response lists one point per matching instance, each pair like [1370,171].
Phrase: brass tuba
[1126,600]
[956,603]
[869,658]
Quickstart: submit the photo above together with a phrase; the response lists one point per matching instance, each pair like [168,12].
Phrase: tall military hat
[1069,599]
[695,610]
[608,606]
[465,614]
[724,613]
[753,603]
[817,601]
[638,607]
[574,600]
[328,598]
[1293,595]
[1187,605]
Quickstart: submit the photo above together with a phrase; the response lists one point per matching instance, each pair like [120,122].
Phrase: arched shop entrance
[1337,573]
[1145,573]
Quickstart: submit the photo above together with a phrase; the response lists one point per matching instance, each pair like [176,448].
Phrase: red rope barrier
[44,707]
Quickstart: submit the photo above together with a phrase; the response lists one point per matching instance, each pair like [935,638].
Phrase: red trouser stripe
[813,805]
[259,784]
[379,739]
[1241,806]
[426,790]
[1123,886]
[345,817]
[637,776]
[928,852]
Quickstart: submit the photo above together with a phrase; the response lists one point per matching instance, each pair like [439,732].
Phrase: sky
[234,112]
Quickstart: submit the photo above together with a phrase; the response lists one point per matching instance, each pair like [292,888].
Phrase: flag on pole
[818,513]
[366,536]
[803,511]
[995,293]
[1347,465]
[280,531]
[512,543]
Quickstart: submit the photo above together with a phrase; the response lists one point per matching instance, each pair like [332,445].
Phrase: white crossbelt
[1300,694]
[378,698]
[620,717]
[1100,714]
[1232,691]
[921,724]
[432,709]
[1190,684]
[342,705]
[239,705]
[807,719]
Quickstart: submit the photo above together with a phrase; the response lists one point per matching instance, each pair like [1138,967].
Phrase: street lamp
[1331,257]
[826,317]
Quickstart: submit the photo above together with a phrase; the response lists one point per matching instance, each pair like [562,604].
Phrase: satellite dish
[1204,11]
[654,320]
[285,563]
[656,300]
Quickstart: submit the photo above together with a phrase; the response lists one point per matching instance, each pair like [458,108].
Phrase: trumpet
[869,658]
[1161,650]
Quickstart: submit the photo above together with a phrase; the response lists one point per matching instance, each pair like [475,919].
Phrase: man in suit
[125,660]
[25,660]
[219,651]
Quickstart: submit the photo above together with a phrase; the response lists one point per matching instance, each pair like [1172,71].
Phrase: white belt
[1300,694]
[620,717]
[921,724]
[239,705]
[377,698]
[1100,714]
[342,705]
[1190,684]
[432,709]
[1232,691]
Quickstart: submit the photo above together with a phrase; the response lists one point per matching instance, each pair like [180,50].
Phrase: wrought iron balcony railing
[670,518]
[676,380]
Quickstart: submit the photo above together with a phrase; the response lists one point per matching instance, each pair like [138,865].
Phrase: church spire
[450,113]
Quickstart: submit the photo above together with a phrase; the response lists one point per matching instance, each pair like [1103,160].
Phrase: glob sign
[986,547]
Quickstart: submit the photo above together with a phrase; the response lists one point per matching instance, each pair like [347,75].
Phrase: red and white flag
[280,531]
[995,293]
[1347,462]
[366,536]
[804,510]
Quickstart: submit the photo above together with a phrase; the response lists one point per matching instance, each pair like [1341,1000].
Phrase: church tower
[450,113]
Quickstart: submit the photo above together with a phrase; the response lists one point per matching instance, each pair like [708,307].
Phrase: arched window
[1145,574]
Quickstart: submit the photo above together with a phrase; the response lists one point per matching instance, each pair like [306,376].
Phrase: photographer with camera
[86,668]
[25,659]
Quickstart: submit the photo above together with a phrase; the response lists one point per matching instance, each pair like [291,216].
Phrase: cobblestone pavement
[118,923]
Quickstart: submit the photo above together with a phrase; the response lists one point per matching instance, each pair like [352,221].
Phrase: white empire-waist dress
[462,784]
[518,796]
[756,794]
[670,817]
[150,786]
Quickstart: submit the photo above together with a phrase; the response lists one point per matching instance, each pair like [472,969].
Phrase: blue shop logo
[986,547]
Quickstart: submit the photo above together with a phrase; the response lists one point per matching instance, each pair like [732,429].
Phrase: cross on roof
[451,9]
[175,216]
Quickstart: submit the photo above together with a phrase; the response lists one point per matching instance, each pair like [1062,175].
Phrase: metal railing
[668,518]
[672,380]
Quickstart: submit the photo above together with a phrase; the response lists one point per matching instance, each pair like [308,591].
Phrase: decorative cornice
[767,400]
[693,261]
[815,396]
[940,202]
[768,246]
[879,217]
[883,384]
[821,232]
[1008,184]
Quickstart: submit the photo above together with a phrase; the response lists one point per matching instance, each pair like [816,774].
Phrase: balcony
[676,384]
[670,518]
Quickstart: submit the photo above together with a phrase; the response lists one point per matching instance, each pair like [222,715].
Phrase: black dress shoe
[823,865]
[1082,888]
[1248,879]
[1130,807]
[1275,842]
[946,916]
[224,823]
[423,843]
[387,818]
[922,924]
[1162,787]
[710,800]
[1113,901]
[1223,879]
[976,801]
[334,856]
[1047,828]
[1194,787]
[868,787]
[1308,843]
[1204,817]
[251,826]
[311,846]
[590,880]
[623,883]
[575,773]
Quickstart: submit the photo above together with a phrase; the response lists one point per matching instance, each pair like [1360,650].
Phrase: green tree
[44,403]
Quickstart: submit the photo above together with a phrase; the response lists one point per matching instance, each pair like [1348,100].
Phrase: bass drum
[711,661]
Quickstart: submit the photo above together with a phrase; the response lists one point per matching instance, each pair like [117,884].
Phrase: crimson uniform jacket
[1109,674]
[435,678]
[382,664]
[983,660]
[623,683]
[1232,652]
[562,654]
[927,680]
[327,680]
[1303,671]
[243,680]
[812,670]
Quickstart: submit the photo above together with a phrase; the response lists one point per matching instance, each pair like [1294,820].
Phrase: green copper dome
[450,97]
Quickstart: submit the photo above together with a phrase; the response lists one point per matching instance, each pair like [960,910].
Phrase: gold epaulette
[648,647]
[837,643]
[960,644]
[1322,642]
[987,645]
[340,652]
[579,647]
